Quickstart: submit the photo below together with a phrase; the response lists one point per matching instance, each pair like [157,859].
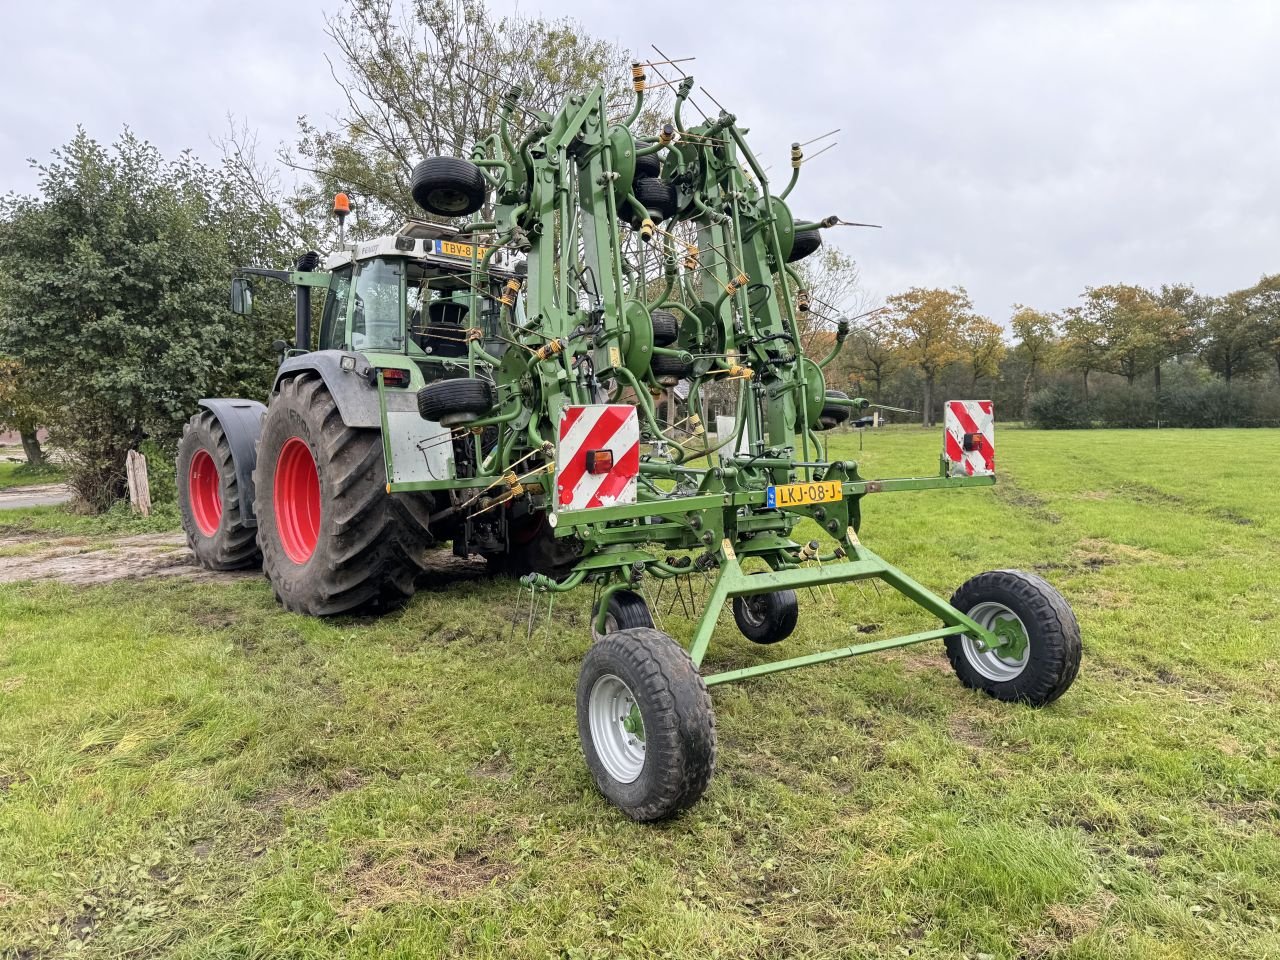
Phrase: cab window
[376,319]
[333,324]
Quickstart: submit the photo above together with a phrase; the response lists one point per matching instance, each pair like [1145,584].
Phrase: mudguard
[356,397]
[241,421]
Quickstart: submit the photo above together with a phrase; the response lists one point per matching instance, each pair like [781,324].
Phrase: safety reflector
[598,456]
[969,438]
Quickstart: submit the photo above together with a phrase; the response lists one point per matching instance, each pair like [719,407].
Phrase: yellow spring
[797,155]
[802,301]
[646,229]
[691,257]
[737,283]
[509,294]
[550,349]
[637,77]
[746,373]
[667,135]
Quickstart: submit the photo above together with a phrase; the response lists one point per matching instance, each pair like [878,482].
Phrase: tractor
[495,381]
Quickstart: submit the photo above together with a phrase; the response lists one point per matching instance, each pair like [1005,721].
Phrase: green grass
[24,475]
[188,771]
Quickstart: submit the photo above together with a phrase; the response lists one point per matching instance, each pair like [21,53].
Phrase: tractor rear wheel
[209,498]
[333,540]
[1040,656]
[646,724]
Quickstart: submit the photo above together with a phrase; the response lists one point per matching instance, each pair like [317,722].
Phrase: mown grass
[186,770]
[25,475]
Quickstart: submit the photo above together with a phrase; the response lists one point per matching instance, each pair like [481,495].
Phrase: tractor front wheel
[1039,652]
[646,724]
[333,540]
[209,498]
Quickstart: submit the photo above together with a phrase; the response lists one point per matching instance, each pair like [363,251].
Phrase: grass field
[187,771]
[20,474]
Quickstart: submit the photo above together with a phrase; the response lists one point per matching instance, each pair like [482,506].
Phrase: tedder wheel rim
[297,500]
[204,486]
[446,198]
[755,609]
[617,729]
[1004,622]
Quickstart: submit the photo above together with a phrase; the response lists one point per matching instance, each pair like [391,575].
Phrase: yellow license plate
[799,494]
[451,249]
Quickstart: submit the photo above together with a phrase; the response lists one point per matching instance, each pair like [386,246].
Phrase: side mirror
[241,296]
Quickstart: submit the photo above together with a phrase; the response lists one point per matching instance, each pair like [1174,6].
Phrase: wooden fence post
[135,465]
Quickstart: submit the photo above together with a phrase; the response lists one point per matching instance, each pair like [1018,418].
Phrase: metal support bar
[729,676]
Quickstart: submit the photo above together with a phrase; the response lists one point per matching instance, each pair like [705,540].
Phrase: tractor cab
[411,293]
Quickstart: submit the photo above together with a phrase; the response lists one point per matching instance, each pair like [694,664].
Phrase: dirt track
[84,560]
[42,495]
[88,561]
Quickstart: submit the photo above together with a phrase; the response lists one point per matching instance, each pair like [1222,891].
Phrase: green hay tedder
[493,383]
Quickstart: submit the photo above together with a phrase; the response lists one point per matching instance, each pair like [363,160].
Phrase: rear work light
[392,377]
[599,461]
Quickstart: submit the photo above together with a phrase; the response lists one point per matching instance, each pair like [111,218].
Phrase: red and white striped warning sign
[598,458]
[969,438]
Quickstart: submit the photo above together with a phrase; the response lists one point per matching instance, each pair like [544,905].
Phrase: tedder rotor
[493,382]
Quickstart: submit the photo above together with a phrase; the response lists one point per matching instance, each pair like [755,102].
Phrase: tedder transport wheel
[657,196]
[333,540]
[648,165]
[448,186]
[645,722]
[452,403]
[767,617]
[832,414]
[1042,654]
[627,609]
[666,328]
[209,498]
[805,243]
[668,370]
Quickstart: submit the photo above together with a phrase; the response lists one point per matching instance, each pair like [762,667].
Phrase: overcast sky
[1020,149]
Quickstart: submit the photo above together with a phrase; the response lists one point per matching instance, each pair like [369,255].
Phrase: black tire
[455,402]
[534,548]
[666,328]
[368,545]
[806,242]
[648,165]
[219,538]
[448,186]
[678,726]
[668,370]
[832,415]
[657,196]
[767,617]
[627,609]
[1053,638]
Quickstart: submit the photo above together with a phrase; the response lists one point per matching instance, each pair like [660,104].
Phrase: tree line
[1123,355]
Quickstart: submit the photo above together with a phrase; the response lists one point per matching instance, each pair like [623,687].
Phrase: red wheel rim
[204,487]
[297,500]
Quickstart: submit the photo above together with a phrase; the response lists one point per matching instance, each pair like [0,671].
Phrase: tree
[870,355]
[23,405]
[833,282]
[1231,343]
[1128,328]
[1082,343]
[983,342]
[113,286]
[1036,334]
[428,79]
[1264,308]
[928,326]
[1175,338]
